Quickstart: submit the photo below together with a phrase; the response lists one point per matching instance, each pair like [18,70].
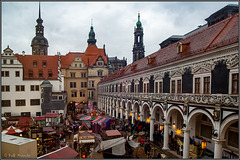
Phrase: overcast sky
[67,24]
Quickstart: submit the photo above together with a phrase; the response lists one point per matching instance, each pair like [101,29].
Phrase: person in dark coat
[75,145]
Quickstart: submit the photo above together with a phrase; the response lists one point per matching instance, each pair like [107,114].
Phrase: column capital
[185,130]
[218,140]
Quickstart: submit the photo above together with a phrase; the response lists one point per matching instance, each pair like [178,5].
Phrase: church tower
[138,47]
[91,40]
[39,42]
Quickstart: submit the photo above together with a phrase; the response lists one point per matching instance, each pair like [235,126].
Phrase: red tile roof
[39,118]
[51,66]
[62,153]
[24,121]
[215,36]
[51,115]
[89,58]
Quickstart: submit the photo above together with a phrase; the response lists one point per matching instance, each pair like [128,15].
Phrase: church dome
[39,40]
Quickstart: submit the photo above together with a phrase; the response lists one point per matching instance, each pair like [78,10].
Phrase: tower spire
[91,40]
[39,10]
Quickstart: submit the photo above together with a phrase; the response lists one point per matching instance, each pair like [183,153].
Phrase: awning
[87,141]
[113,133]
[85,118]
[62,153]
[48,129]
[51,115]
[39,118]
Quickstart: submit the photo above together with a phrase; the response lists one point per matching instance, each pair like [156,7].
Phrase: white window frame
[201,76]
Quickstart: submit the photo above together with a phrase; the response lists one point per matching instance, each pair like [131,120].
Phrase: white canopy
[117,145]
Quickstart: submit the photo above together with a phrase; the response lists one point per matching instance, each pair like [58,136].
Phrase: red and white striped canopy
[12,130]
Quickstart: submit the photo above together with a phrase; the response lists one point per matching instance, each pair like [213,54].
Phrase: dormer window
[133,66]
[179,47]
[99,63]
[150,59]
[44,63]
[4,61]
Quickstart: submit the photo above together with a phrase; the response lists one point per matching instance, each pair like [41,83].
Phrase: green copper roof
[139,24]
[91,35]
[46,83]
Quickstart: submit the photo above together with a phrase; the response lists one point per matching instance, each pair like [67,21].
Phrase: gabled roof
[89,58]
[215,36]
[51,115]
[83,126]
[24,121]
[51,66]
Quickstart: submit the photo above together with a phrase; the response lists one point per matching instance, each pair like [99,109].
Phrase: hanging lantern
[120,109]
[135,113]
[20,135]
[174,125]
[138,118]
[130,114]
[204,144]
[161,127]
[148,120]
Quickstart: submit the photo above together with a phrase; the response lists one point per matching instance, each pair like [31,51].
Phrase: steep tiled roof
[89,58]
[218,35]
[51,66]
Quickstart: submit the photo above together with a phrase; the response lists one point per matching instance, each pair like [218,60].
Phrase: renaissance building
[191,85]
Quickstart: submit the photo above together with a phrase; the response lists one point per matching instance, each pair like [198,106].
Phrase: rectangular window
[5,73]
[34,102]
[99,63]
[82,93]
[80,65]
[91,84]
[26,114]
[20,88]
[179,86]
[75,65]
[206,85]
[160,87]
[34,63]
[83,74]
[92,94]
[17,74]
[20,102]
[49,73]
[173,86]
[7,114]
[99,73]
[235,83]
[38,114]
[4,61]
[5,88]
[147,87]
[72,84]
[11,61]
[34,87]
[6,103]
[44,63]
[144,88]
[74,94]
[206,131]
[156,87]
[72,74]
[197,85]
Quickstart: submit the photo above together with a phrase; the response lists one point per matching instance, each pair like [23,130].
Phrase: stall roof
[51,115]
[16,139]
[48,129]
[62,153]
[113,133]
[39,118]
[24,121]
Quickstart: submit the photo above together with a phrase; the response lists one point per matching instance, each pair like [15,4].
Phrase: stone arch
[155,107]
[226,123]
[129,105]
[196,112]
[145,107]
[170,109]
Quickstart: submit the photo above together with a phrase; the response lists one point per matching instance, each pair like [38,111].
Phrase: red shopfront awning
[113,133]
[62,153]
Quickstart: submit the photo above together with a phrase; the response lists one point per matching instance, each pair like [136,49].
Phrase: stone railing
[211,99]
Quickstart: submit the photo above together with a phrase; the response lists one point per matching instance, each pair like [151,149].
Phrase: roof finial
[139,15]
[91,22]
[39,10]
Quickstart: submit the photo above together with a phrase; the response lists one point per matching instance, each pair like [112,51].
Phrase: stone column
[166,136]
[117,109]
[126,114]
[121,113]
[110,112]
[152,120]
[141,117]
[186,143]
[113,112]
[218,148]
[133,116]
